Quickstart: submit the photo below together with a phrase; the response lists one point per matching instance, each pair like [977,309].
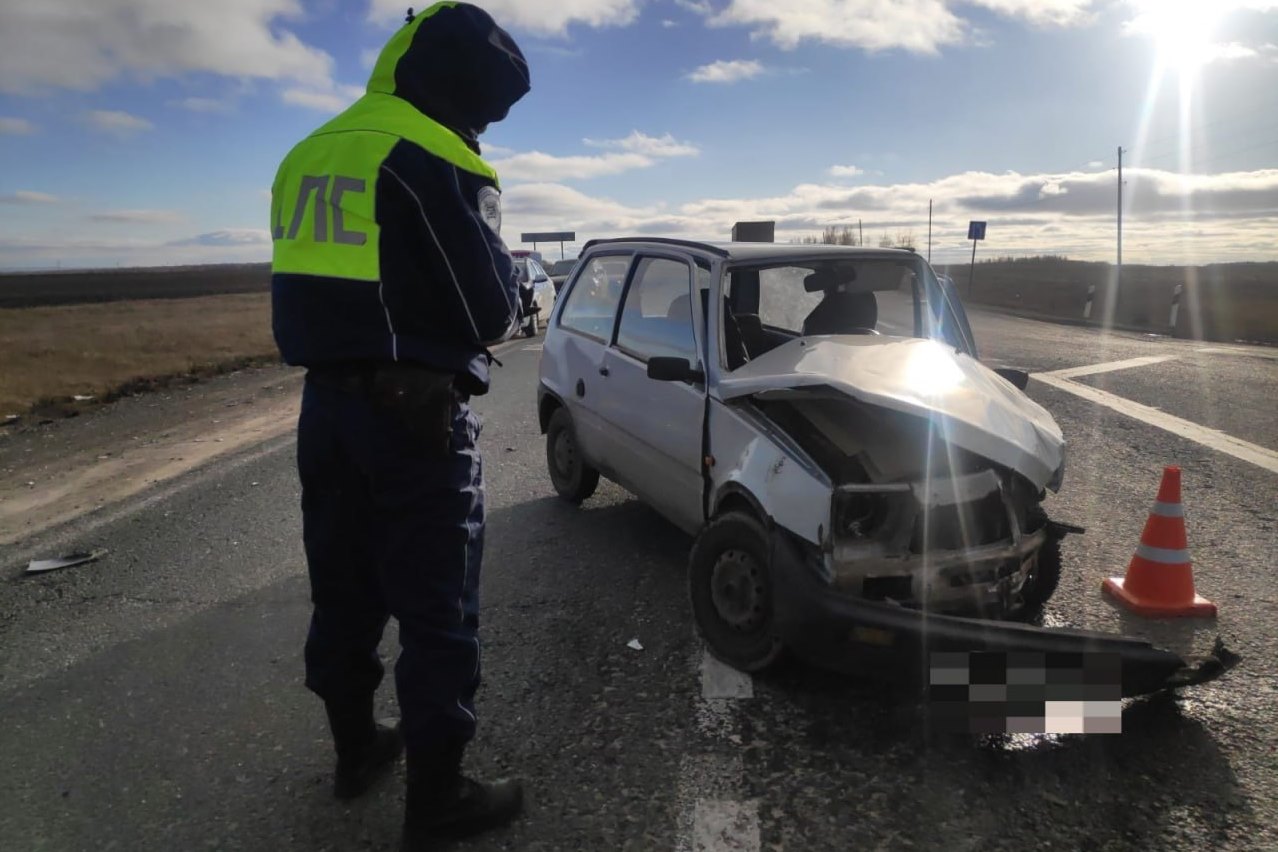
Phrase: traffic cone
[1160,578]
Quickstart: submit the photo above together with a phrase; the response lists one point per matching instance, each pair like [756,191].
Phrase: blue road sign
[976,230]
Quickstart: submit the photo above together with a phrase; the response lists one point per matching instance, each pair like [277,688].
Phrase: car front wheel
[731,589]
[573,478]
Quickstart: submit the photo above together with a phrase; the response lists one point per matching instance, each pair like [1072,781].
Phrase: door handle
[603,371]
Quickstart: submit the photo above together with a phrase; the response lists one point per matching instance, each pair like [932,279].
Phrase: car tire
[1046,574]
[730,586]
[573,478]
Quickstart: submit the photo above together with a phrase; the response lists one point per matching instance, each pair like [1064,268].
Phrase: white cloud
[212,105]
[117,123]
[228,237]
[11,126]
[368,58]
[1068,213]
[1094,164]
[846,171]
[332,98]
[668,24]
[726,71]
[77,45]
[26,196]
[652,146]
[1042,13]
[536,166]
[636,151]
[139,217]
[542,17]
[696,7]
[919,26]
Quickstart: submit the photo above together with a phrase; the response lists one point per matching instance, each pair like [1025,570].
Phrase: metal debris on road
[634,644]
[39,566]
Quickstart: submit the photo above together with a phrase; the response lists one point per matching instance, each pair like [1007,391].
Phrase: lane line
[1108,366]
[719,680]
[713,816]
[1242,353]
[726,826]
[1211,438]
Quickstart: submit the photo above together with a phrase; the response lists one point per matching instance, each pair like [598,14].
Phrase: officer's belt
[360,377]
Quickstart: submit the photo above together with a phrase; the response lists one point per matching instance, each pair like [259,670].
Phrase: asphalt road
[153,700]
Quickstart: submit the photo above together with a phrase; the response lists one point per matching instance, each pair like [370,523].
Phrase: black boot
[442,804]
[365,750]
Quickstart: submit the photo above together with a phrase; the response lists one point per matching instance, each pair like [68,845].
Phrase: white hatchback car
[536,290]
[816,417]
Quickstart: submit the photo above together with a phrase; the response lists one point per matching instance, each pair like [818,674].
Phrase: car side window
[657,318]
[592,302]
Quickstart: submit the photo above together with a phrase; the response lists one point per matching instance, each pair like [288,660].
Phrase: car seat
[843,313]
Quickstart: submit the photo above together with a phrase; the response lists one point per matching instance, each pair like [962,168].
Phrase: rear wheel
[730,585]
[573,478]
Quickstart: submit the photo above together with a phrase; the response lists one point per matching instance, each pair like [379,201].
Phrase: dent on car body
[964,402]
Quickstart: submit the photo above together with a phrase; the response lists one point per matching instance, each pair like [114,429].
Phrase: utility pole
[1118,280]
[860,231]
[929,230]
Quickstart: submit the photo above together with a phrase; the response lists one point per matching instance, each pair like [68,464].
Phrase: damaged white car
[827,396]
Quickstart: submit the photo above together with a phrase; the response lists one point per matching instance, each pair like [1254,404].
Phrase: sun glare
[1183,30]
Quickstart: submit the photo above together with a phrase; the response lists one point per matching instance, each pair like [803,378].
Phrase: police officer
[389,282]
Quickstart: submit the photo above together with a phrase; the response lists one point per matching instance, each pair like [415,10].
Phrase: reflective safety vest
[386,230]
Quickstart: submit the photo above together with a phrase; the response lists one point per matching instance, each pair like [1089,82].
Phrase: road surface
[154,701]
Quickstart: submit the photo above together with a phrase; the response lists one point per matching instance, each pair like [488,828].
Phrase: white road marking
[1245,353]
[1108,367]
[719,680]
[720,826]
[1211,438]
[712,815]
[536,347]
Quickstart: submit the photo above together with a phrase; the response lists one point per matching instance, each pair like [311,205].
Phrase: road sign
[976,230]
[549,237]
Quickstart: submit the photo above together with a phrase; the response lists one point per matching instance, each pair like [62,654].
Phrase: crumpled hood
[455,65]
[975,408]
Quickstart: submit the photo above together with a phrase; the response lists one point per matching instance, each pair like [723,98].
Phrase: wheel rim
[737,590]
[565,454]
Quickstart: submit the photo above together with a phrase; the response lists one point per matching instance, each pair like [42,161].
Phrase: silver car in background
[816,417]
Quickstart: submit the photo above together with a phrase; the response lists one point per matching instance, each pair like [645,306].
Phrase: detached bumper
[888,641]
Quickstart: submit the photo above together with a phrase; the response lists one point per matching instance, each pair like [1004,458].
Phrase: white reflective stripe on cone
[1168,510]
[1162,555]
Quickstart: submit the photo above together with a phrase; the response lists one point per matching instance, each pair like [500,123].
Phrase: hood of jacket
[454,64]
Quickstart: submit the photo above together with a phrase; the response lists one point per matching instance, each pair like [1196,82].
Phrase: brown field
[33,289]
[50,354]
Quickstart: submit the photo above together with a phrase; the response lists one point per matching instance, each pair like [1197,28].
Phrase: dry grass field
[50,354]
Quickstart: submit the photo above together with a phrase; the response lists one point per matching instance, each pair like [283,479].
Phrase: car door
[655,427]
[575,352]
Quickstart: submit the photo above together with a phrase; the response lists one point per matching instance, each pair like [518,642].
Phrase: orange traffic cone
[1160,579]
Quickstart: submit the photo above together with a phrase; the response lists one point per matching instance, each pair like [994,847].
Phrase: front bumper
[888,641]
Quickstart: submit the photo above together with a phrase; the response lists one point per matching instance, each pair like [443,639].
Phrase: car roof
[755,252]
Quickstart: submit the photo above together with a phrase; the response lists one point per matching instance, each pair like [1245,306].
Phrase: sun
[1183,30]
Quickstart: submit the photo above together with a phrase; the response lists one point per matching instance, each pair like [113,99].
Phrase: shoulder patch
[490,208]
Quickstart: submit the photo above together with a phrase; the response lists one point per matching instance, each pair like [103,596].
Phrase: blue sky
[141,132]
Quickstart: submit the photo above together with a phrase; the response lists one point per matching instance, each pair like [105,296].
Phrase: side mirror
[1019,378]
[666,369]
